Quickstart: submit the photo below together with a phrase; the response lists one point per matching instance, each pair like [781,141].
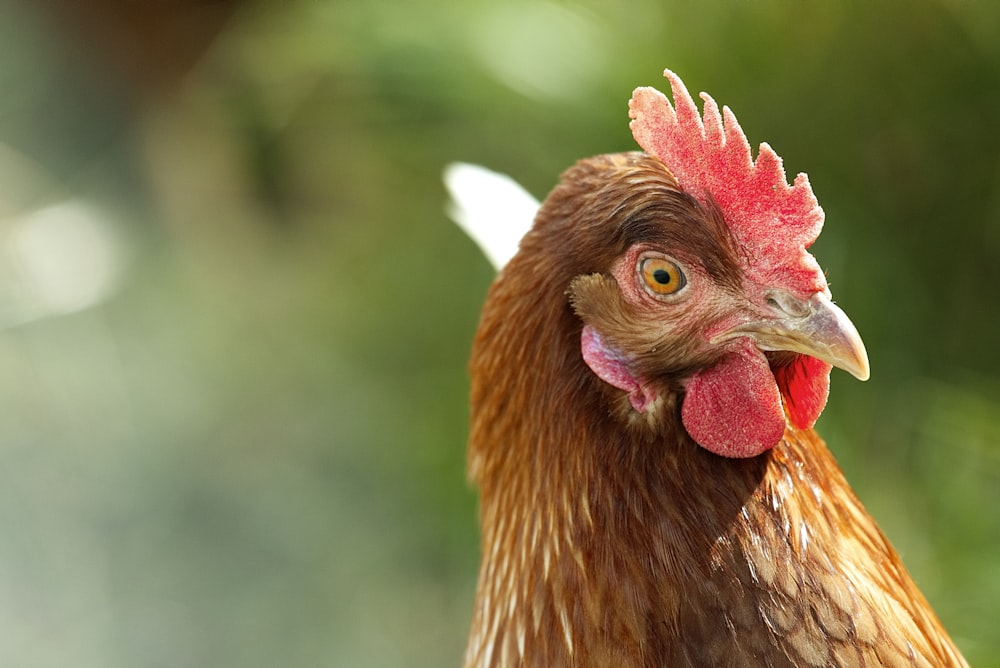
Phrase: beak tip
[864,370]
[853,358]
[860,368]
[847,350]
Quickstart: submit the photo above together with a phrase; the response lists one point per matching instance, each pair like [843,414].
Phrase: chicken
[645,377]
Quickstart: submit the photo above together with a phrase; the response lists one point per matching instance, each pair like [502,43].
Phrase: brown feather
[609,541]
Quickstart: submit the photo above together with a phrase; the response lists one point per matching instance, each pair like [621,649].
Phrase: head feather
[708,153]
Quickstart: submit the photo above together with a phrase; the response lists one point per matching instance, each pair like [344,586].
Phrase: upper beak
[816,327]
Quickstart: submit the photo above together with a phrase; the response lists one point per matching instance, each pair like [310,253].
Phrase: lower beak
[816,327]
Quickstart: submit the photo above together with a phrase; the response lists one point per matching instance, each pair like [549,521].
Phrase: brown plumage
[610,536]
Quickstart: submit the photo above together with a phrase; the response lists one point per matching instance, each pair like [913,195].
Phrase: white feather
[492,208]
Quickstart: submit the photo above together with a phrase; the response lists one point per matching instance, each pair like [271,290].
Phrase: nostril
[786,304]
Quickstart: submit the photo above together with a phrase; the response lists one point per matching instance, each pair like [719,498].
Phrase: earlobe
[608,365]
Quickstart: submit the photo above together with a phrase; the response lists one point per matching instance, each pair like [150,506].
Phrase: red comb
[773,221]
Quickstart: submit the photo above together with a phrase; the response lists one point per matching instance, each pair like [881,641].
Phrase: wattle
[805,387]
[735,407]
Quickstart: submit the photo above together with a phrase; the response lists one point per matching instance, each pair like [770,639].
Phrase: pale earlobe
[609,365]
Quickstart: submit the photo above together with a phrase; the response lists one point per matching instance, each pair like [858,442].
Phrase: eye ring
[661,276]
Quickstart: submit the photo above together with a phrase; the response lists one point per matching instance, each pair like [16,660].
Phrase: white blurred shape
[541,49]
[492,208]
[57,259]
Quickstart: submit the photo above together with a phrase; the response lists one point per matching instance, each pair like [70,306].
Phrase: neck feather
[582,515]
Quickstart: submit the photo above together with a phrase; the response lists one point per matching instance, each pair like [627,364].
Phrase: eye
[662,276]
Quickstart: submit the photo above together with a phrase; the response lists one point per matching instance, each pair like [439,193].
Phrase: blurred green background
[234,320]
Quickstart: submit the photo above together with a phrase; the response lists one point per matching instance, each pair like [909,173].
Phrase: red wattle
[805,386]
[734,408]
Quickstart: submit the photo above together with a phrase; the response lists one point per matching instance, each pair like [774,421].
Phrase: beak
[816,327]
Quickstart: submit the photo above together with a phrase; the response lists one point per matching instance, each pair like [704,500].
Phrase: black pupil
[661,276]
